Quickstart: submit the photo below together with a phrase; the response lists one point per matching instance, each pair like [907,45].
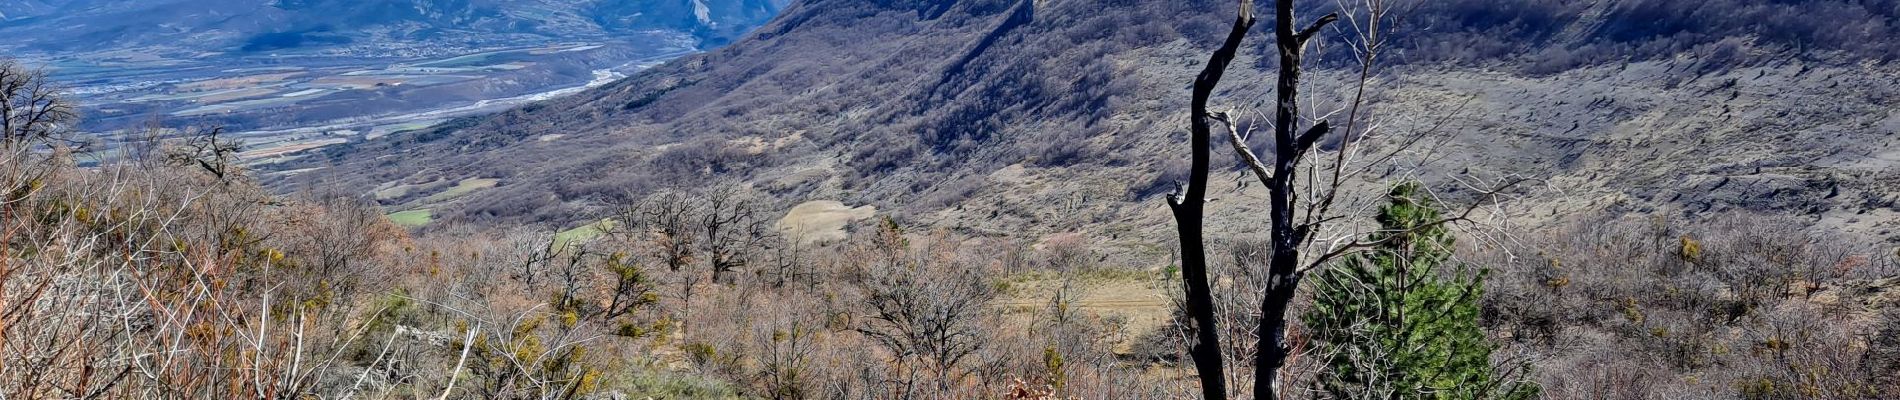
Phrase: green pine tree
[1396,323]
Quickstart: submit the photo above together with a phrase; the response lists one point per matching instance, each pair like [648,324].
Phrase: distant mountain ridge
[259,25]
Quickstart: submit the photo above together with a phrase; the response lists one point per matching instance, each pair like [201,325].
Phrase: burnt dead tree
[1189,206]
[1188,203]
[1283,275]
[1299,206]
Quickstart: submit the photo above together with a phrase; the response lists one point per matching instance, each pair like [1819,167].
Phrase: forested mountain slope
[1004,161]
[996,115]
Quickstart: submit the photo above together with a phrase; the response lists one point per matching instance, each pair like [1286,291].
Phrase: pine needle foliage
[1400,321]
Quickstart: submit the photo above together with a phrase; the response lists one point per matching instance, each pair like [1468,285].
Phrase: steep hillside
[994,116]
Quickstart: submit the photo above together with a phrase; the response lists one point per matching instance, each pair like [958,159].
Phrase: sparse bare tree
[927,309]
[32,110]
[789,262]
[1304,198]
[209,150]
[724,227]
[662,223]
[574,273]
[732,225]
[35,122]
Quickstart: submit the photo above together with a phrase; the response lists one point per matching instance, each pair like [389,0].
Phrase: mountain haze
[259,25]
[291,75]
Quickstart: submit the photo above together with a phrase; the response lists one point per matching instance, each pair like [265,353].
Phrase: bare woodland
[167,271]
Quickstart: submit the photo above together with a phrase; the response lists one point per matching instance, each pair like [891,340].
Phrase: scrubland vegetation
[167,271]
[1746,307]
[154,277]
[155,280]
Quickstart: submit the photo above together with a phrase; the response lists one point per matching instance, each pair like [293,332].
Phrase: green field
[462,188]
[413,218]
[583,233]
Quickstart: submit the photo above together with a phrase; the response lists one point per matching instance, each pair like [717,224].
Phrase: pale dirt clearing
[822,221]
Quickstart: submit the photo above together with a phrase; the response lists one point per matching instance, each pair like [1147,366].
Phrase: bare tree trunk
[1293,220]
[1284,273]
[1188,205]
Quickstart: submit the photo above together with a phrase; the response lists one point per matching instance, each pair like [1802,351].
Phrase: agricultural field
[584,233]
[282,104]
[412,218]
[460,189]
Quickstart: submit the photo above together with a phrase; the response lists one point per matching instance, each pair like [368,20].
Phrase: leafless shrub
[926,308]
[724,227]
[661,226]
[36,111]
[1067,254]
[152,281]
[1738,306]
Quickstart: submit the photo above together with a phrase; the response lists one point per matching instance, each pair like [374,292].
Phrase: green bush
[1390,324]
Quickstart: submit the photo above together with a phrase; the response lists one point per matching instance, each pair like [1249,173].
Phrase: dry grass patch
[822,221]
